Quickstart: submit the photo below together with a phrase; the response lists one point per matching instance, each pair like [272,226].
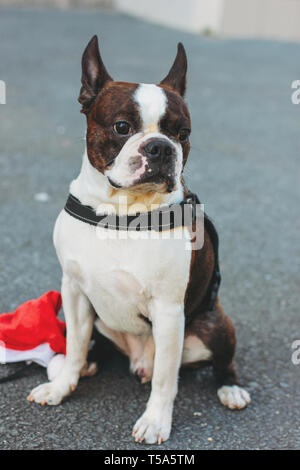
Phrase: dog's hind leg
[139,349]
[141,354]
[79,316]
[211,336]
[116,337]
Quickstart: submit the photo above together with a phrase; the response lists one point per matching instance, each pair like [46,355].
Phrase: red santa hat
[33,332]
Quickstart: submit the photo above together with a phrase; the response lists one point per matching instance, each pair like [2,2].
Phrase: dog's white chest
[121,275]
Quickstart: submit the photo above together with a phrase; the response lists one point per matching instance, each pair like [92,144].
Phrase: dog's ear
[94,75]
[176,78]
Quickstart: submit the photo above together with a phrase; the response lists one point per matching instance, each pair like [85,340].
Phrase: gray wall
[279,19]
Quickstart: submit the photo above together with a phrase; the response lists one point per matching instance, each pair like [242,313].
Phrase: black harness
[159,220]
[164,218]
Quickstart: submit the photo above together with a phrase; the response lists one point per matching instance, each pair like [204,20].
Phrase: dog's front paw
[152,430]
[50,393]
[234,397]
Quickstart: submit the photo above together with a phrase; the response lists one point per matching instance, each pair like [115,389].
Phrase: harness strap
[161,219]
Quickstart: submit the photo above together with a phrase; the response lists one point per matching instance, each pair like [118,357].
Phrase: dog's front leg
[79,317]
[168,332]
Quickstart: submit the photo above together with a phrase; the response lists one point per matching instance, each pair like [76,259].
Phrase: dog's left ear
[176,78]
[94,75]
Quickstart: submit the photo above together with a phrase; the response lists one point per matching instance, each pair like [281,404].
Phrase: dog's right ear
[94,75]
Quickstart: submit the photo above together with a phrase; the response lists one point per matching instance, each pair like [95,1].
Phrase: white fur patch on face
[152,102]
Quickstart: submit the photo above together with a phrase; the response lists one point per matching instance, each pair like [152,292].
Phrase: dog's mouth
[113,184]
[159,182]
[160,179]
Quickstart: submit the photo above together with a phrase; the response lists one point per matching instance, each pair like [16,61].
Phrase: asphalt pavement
[244,165]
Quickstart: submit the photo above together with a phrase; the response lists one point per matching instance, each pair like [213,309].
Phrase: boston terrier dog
[147,293]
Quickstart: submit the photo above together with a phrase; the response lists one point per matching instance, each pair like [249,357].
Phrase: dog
[151,298]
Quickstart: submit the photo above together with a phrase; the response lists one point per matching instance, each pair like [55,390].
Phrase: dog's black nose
[158,149]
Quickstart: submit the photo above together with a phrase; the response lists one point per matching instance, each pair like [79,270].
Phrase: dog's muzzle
[160,167]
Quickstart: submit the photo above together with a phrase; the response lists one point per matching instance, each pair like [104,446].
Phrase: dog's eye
[184,135]
[122,127]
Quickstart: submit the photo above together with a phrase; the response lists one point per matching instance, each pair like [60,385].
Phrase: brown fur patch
[201,269]
[213,327]
[114,103]
[216,330]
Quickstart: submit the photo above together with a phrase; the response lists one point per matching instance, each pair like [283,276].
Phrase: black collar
[164,218]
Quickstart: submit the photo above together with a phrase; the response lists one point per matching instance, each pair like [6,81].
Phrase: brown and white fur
[146,294]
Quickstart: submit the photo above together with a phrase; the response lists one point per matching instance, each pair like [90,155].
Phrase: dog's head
[137,134]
